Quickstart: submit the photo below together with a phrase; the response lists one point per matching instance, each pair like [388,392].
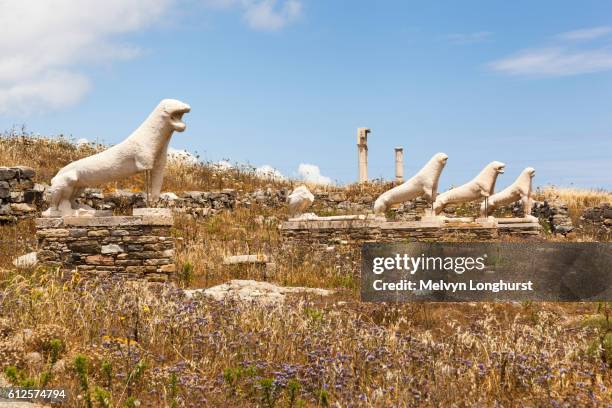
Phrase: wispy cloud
[555,62]
[564,58]
[469,38]
[586,33]
[42,43]
[265,15]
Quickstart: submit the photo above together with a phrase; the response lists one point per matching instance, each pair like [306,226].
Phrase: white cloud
[469,38]
[268,172]
[585,33]
[266,15]
[311,173]
[82,141]
[52,90]
[558,61]
[43,42]
[223,165]
[182,155]
[571,54]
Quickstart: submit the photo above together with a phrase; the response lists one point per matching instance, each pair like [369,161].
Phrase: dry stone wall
[555,215]
[20,197]
[133,247]
[598,221]
[196,203]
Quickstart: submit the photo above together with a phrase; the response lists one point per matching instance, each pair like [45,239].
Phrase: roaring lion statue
[519,190]
[144,150]
[482,186]
[424,183]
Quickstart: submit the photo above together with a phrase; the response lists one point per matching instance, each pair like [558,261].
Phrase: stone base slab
[359,229]
[519,226]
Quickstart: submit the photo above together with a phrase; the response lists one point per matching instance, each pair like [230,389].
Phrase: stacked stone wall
[20,197]
[133,247]
[598,221]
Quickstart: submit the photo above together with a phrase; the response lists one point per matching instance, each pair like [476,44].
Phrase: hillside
[114,345]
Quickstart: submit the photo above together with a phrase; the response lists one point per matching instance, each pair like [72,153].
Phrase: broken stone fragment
[28,260]
[245,259]
[254,291]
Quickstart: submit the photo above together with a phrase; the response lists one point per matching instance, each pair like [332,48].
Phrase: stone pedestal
[135,247]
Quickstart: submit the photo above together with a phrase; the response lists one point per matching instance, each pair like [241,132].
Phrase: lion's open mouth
[176,119]
[500,170]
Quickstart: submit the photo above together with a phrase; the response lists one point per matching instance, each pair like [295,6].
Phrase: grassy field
[151,346]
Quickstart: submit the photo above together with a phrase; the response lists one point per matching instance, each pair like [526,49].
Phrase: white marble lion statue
[423,184]
[519,190]
[482,186]
[144,150]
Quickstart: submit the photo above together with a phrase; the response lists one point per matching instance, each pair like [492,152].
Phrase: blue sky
[286,82]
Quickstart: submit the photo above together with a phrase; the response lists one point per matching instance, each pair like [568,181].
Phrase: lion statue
[299,200]
[519,190]
[482,186]
[424,183]
[144,150]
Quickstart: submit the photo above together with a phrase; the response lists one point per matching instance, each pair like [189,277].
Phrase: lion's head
[497,166]
[173,111]
[530,171]
[442,158]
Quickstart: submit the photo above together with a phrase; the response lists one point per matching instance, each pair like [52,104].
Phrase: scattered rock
[59,366]
[33,358]
[245,259]
[254,291]
[168,196]
[28,260]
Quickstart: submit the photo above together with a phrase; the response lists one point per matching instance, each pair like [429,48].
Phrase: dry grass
[202,246]
[151,344]
[166,350]
[576,199]
[156,346]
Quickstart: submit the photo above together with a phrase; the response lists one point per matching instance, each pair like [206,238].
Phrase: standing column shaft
[399,164]
[362,151]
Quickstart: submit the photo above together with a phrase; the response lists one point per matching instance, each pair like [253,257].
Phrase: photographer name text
[441,285]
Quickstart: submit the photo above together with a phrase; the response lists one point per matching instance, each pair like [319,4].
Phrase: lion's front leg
[143,163]
[157,173]
[526,201]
